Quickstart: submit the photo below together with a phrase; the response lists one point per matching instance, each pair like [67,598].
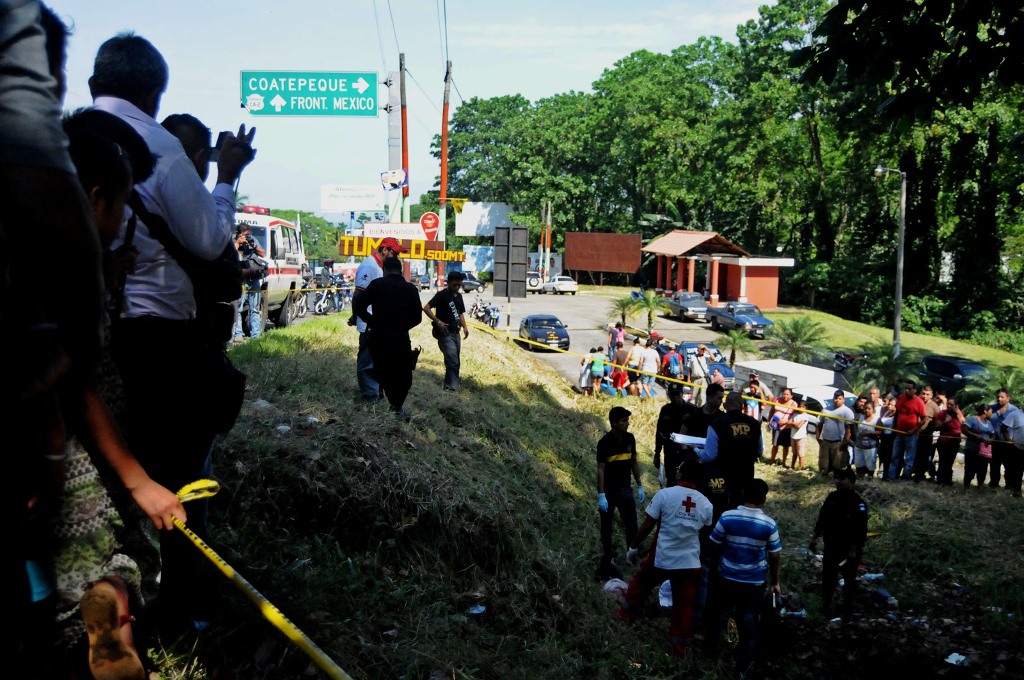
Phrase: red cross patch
[689,504]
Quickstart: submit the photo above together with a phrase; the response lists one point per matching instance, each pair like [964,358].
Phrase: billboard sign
[480,219]
[351,198]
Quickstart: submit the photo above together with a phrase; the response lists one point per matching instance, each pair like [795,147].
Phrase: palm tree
[981,389]
[652,304]
[798,339]
[736,340]
[241,200]
[622,308]
[879,367]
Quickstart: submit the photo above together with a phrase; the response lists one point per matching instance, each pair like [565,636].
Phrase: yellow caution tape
[509,336]
[205,488]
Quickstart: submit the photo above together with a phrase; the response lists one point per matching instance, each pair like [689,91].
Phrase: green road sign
[309,93]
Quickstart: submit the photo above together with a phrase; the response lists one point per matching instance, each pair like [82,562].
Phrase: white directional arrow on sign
[278,102]
[360,85]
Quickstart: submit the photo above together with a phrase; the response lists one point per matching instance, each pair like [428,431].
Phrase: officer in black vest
[734,442]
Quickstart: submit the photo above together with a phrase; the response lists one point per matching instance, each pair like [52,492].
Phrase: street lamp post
[897,321]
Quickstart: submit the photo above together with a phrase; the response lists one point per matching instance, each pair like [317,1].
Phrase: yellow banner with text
[363,246]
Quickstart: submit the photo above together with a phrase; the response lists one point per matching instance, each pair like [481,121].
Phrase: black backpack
[216,283]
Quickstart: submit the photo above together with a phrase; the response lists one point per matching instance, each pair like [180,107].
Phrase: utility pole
[546,250]
[405,139]
[443,196]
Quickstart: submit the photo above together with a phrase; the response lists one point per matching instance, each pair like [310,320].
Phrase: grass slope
[852,335]
[376,536]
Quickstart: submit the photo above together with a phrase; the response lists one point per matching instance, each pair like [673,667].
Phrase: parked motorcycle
[493,315]
[302,299]
[328,297]
[843,360]
[478,312]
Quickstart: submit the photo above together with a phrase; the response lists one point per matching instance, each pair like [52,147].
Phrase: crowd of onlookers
[916,434]
[120,381]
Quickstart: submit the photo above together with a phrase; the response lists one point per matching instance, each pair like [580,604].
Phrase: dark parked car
[950,374]
[423,282]
[545,329]
[687,305]
[471,283]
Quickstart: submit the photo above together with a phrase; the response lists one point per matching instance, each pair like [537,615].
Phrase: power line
[394,29]
[380,40]
[445,4]
[461,98]
[440,37]
[409,73]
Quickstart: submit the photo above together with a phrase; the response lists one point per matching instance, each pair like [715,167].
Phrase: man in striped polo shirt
[750,549]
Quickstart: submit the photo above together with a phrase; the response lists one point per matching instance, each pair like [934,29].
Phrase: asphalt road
[586,317]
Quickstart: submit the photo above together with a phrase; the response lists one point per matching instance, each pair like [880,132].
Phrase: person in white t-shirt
[797,425]
[650,361]
[681,513]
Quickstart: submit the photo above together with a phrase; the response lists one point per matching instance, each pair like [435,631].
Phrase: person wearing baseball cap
[393,244]
[447,314]
[616,462]
[369,270]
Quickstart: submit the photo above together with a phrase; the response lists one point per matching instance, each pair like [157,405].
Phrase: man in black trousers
[396,310]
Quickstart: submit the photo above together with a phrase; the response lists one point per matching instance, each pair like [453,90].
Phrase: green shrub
[922,314]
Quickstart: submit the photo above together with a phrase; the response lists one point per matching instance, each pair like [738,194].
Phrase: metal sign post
[510,259]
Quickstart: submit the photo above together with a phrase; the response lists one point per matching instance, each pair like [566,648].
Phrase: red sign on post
[430,222]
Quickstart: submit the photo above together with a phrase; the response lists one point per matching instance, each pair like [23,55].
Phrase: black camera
[215,151]
[249,246]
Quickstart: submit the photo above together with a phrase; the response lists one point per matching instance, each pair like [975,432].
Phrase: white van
[281,240]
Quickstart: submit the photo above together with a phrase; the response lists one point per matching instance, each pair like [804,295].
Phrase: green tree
[932,55]
[982,389]
[797,339]
[482,143]
[319,237]
[735,341]
[651,304]
[879,367]
[622,309]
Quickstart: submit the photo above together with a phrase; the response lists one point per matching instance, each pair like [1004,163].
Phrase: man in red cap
[370,270]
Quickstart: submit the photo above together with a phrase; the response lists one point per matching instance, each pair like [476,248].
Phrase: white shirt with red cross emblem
[683,512]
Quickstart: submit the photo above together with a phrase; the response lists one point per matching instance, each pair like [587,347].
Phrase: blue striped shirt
[746,535]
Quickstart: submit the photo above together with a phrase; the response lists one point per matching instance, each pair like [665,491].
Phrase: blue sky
[536,48]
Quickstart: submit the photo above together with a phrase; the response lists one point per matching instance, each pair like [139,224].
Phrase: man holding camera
[160,352]
[254,268]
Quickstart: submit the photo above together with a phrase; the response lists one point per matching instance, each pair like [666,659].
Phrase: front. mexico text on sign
[310,93]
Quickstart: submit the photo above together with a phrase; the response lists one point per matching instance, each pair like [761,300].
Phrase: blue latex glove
[602,502]
[640,494]
[632,557]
